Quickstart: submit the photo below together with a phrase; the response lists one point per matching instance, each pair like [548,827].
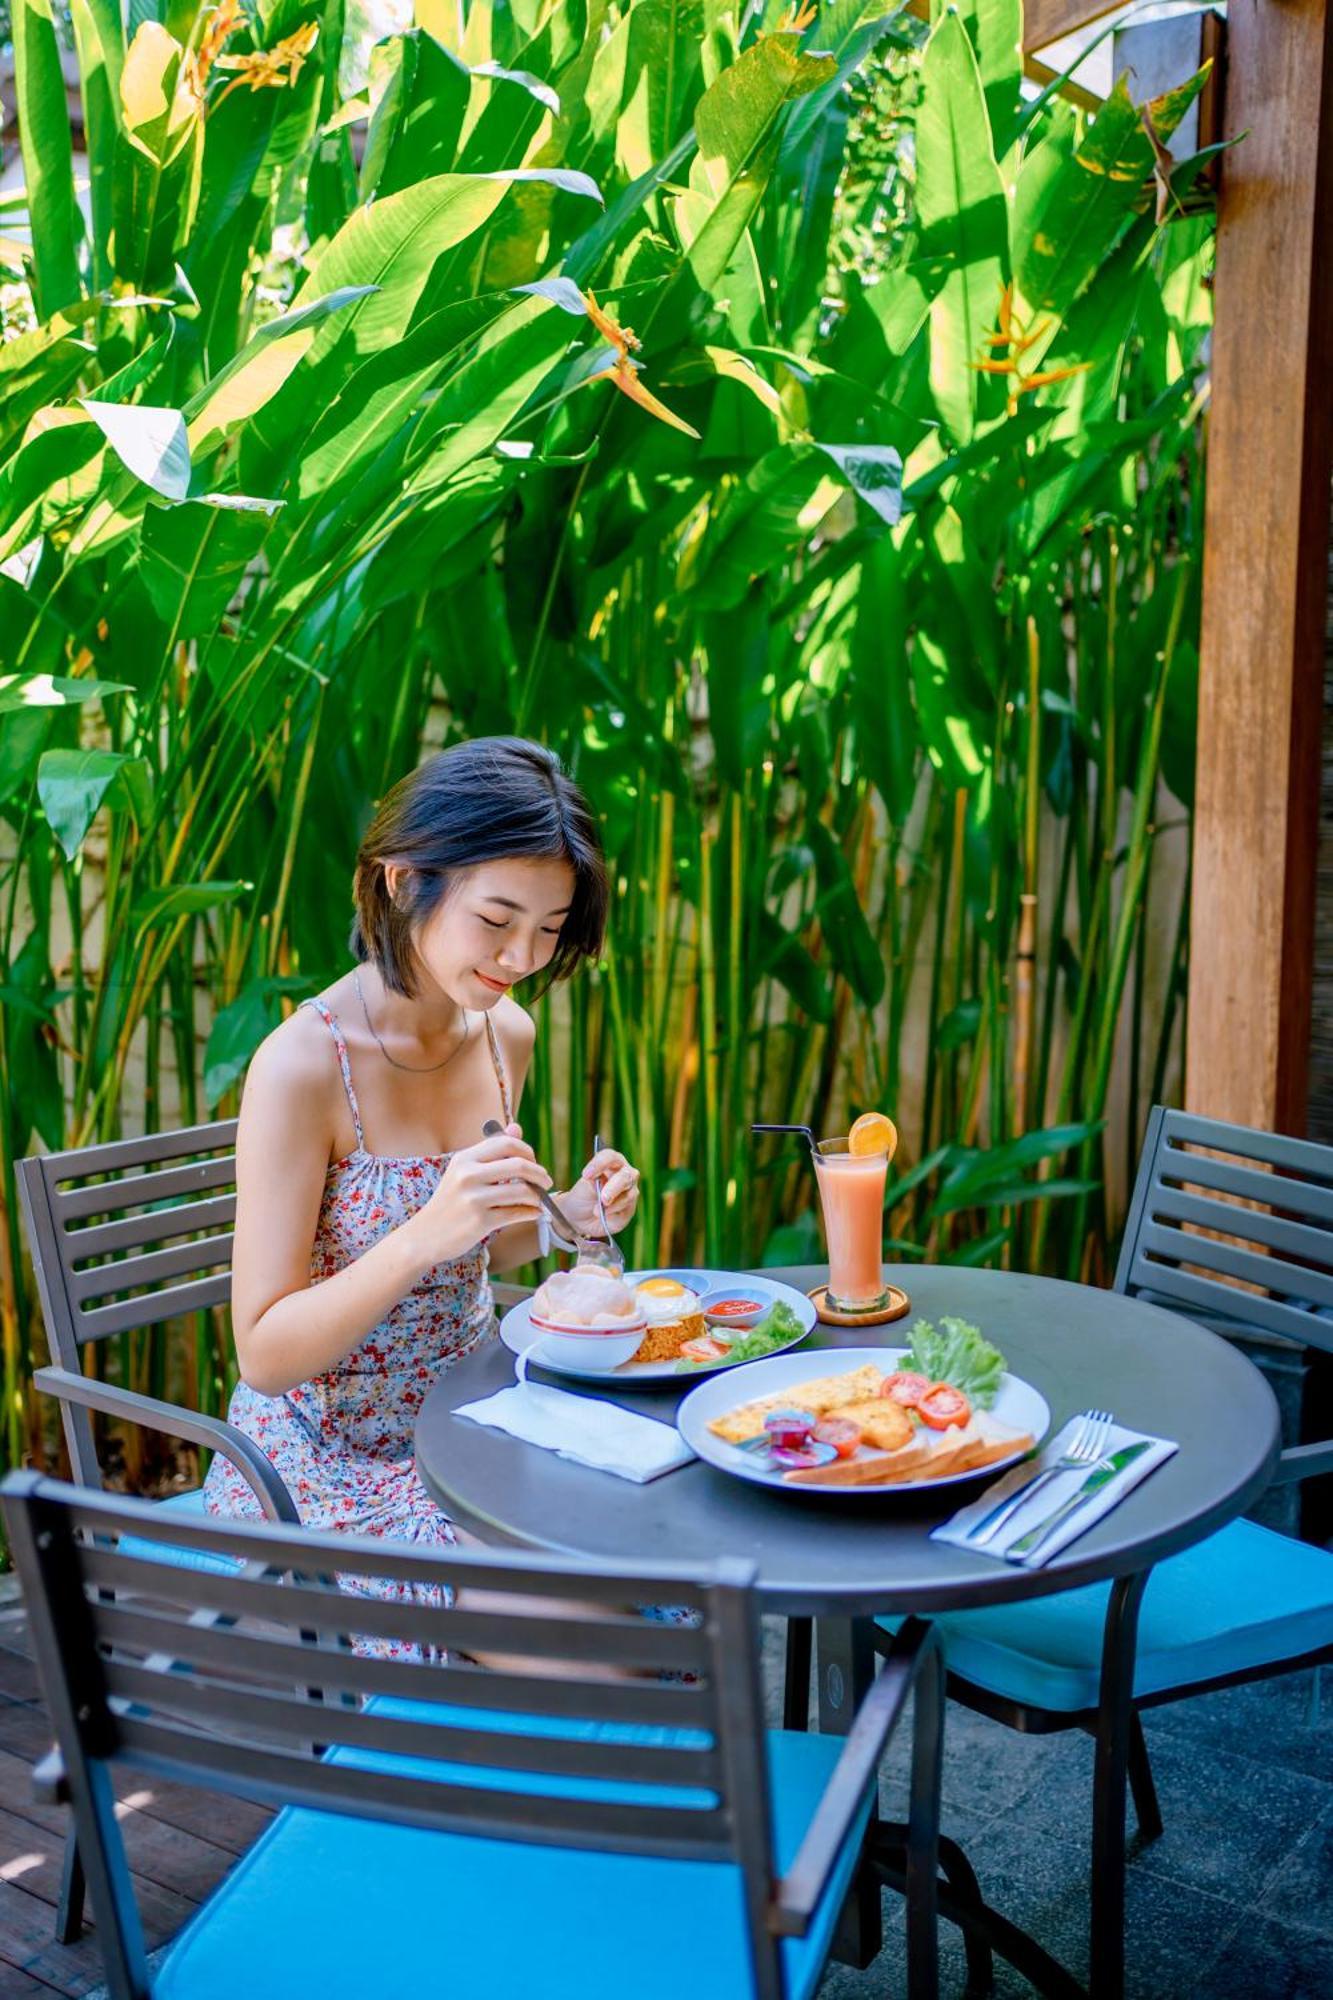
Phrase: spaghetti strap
[327,1016]
[506,1104]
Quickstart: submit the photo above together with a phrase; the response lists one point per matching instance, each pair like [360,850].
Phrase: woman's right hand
[485,1187]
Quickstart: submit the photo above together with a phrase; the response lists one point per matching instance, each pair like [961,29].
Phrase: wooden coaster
[895,1307]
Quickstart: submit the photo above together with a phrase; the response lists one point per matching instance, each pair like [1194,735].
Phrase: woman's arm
[512,1248]
[287,1328]
[516,1032]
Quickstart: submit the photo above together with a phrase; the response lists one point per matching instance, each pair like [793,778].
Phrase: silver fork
[1084,1448]
[613,1248]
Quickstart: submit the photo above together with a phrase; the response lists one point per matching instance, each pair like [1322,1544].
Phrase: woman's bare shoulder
[296,1062]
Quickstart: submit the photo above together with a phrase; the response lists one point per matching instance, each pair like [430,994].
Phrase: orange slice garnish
[873,1133]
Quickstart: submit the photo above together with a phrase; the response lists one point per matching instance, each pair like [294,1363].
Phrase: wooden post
[1256,822]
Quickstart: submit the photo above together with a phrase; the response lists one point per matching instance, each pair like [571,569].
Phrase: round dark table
[859,1557]
[848,1561]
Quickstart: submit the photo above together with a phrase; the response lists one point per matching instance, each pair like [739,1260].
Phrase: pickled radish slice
[788,1428]
[798,1458]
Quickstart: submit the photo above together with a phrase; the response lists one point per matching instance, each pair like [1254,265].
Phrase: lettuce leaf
[958,1352]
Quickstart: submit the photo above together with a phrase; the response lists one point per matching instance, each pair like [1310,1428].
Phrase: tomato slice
[704,1348]
[943,1405]
[905,1388]
[841,1433]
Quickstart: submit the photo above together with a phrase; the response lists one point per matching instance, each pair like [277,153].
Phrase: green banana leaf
[48,156]
[964,226]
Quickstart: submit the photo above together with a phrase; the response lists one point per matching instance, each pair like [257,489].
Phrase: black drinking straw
[804,1131]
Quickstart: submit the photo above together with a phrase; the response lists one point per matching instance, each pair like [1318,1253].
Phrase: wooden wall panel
[1257,805]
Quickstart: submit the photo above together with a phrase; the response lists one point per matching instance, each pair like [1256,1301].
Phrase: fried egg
[665,1300]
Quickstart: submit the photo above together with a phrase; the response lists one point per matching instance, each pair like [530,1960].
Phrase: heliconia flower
[622,338]
[624,371]
[271,69]
[223,19]
[1018,339]
[627,381]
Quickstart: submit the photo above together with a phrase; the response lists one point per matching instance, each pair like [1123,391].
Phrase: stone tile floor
[1233,1902]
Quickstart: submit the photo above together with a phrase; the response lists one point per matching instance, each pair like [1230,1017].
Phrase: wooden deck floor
[180,1843]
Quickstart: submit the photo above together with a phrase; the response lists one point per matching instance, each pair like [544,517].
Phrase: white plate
[1017,1404]
[518,1332]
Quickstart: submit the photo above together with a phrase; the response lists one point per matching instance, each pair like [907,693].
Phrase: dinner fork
[1084,1448]
[613,1251]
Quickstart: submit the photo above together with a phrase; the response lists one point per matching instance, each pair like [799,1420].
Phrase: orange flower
[223,19]
[1018,339]
[624,370]
[798,18]
[627,381]
[271,69]
[622,338]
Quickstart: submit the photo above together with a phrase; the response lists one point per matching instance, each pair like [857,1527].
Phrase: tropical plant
[860,593]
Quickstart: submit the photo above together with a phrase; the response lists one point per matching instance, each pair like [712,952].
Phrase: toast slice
[929,1455]
[825,1393]
[883,1424]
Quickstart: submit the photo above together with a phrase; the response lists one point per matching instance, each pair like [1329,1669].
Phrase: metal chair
[599,1810]
[125,1236]
[1244,1605]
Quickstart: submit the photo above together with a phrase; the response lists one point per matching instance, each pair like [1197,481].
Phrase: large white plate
[518,1332]
[1017,1404]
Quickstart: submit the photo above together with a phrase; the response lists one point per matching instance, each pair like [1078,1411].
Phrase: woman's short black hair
[495,798]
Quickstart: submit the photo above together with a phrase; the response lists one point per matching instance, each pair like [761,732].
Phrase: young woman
[369,1209]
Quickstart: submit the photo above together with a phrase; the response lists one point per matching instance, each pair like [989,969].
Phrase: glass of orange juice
[852,1173]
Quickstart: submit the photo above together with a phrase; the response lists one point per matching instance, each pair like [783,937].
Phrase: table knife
[1100,1476]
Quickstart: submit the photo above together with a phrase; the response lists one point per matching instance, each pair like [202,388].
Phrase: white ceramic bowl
[734,1322]
[598,1348]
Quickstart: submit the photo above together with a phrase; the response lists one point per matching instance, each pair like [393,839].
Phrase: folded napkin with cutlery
[584,1428]
[1080,1495]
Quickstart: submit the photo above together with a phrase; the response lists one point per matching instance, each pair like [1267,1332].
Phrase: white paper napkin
[583,1428]
[1053,1493]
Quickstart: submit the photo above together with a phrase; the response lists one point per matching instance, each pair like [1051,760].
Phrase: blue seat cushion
[1245,1599]
[347,1908]
[181,1558]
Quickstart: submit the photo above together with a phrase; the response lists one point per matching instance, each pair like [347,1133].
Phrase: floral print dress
[343,1442]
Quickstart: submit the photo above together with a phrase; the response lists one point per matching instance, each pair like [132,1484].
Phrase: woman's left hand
[620,1194]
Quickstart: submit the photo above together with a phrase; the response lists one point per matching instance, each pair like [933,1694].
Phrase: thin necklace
[413,1069]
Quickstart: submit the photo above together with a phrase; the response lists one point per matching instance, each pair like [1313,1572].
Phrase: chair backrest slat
[274,1718]
[140,1630]
[284,1778]
[1300,1241]
[1178,1247]
[156,1225]
[137,1671]
[144,1150]
[1234,1226]
[320,1607]
[282,1549]
[128,1274]
[107,1197]
[151,1308]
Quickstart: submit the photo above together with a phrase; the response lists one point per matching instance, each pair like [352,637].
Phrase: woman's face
[498,923]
